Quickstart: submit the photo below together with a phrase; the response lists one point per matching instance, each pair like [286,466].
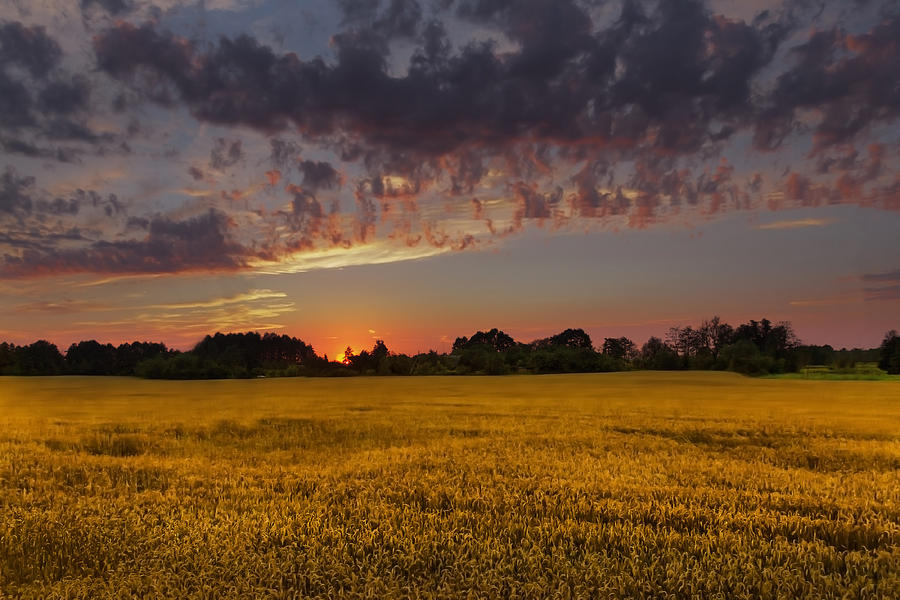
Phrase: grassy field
[679,485]
[859,372]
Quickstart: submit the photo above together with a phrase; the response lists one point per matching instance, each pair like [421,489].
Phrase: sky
[417,170]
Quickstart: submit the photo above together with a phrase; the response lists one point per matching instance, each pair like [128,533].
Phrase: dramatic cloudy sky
[415,170]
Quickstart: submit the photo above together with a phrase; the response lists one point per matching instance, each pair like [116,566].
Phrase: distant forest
[754,348]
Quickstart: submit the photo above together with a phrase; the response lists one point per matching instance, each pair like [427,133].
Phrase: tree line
[753,348]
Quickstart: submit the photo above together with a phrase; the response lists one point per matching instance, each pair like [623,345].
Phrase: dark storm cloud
[199,243]
[283,153]
[465,170]
[533,204]
[319,175]
[61,128]
[110,204]
[32,150]
[15,193]
[688,70]
[399,18]
[308,223]
[113,7]
[41,101]
[226,153]
[65,97]
[683,81]
[28,47]
[358,10]
[60,206]
[849,79]
[15,103]
[551,33]
[137,223]
[36,225]
[628,112]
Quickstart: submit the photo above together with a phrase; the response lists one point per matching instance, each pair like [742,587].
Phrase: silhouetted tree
[494,340]
[246,354]
[774,340]
[570,338]
[715,335]
[40,358]
[128,356]
[460,343]
[890,353]
[745,357]
[620,348]
[91,358]
[7,358]
[656,354]
[689,343]
[348,356]
[380,350]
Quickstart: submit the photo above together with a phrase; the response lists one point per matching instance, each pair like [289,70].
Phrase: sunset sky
[416,170]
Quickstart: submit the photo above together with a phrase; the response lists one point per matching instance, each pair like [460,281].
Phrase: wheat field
[622,485]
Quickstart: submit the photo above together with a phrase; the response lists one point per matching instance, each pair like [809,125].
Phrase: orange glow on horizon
[341,354]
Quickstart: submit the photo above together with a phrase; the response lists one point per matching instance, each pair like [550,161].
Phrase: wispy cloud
[885,293]
[193,193]
[64,306]
[251,296]
[375,253]
[193,322]
[890,276]
[834,301]
[796,224]
[116,279]
[886,286]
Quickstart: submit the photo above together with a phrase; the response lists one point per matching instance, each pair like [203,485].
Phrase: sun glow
[343,356]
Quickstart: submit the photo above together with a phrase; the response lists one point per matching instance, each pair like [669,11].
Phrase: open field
[584,486]
[859,372]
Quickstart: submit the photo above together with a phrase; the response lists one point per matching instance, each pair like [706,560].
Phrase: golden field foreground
[649,485]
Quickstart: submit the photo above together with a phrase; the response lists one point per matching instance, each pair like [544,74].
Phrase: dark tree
[128,356]
[656,354]
[774,340]
[244,354]
[91,358]
[689,343]
[380,350]
[494,340]
[890,353]
[715,335]
[7,358]
[348,356]
[570,338]
[620,348]
[40,358]
[745,357]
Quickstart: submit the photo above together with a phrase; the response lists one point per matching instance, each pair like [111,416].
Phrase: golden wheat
[628,485]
